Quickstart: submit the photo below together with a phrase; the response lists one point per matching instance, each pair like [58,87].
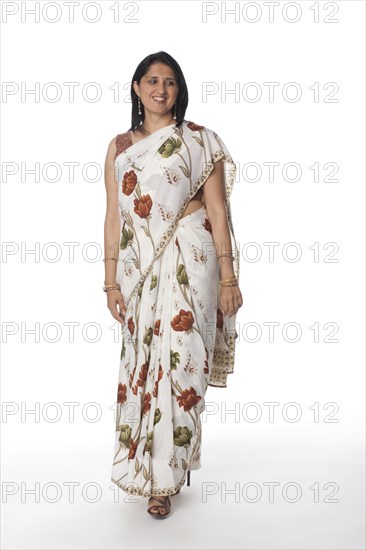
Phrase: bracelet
[112,287]
[115,259]
[230,279]
[229,254]
[229,283]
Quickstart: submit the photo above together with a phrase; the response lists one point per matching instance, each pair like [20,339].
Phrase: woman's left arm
[214,196]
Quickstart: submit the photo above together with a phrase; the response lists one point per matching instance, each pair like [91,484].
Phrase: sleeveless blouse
[123,141]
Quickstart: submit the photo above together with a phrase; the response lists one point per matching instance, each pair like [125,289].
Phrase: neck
[151,124]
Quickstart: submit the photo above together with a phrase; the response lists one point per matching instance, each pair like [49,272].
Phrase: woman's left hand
[230,299]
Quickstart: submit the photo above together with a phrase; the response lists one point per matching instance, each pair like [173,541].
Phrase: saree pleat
[173,333]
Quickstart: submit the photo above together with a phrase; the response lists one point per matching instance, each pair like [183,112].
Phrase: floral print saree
[175,340]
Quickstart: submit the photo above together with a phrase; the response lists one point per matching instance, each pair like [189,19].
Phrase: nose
[161,87]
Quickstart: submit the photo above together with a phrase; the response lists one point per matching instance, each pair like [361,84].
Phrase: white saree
[175,341]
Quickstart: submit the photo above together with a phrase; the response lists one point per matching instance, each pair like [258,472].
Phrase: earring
[175,111]
[139,105]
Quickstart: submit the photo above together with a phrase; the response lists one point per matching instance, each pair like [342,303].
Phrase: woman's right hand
[114,298]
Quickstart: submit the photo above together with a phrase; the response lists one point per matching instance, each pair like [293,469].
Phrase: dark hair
[182,97]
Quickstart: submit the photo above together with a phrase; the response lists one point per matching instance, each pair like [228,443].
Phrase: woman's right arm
[112,234]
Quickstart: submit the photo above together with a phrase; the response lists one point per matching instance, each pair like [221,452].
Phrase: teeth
[159,99]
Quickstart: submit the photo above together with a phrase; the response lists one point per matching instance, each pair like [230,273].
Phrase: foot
[159,507]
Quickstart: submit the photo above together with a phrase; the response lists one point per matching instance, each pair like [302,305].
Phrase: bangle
[113,284]
[115,259]
[229,283]
[229,254]
[232,281]
[116,286]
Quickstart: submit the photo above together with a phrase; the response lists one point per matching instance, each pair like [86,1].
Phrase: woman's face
[158,89]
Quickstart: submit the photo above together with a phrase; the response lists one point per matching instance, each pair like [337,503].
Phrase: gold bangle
[112,287]
[115,259]
[230,279]
[231,283]
[228,254]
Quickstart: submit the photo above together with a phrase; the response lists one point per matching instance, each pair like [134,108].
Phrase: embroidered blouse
[123,141]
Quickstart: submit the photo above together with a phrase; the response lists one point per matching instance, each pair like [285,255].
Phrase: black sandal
[188,481]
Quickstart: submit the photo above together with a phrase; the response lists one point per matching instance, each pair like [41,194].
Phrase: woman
[171,277]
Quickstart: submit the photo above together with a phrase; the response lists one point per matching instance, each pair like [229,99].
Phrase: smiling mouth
[159,100]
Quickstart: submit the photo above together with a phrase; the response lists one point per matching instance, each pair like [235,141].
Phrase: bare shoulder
[112,148]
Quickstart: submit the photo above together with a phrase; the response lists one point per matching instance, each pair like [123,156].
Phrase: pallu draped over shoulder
[175,341]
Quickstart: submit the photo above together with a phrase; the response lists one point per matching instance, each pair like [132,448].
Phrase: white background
[310,292]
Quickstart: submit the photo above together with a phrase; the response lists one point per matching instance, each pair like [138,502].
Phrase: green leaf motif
[169,147]
[129,220]
[127,236]
[149,441]
[138,190]
[148,335]
[154,281]
[145,472]
[157,416]
[125,435]
[123,351]
[174,359]
[182,277]
[182,436]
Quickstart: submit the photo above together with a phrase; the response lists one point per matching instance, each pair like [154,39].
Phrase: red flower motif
[207,225]
[143,206]
[183,321]
[157,327]
[130,325]
[142,375]
[146,406]
[177,243]
[129,182]
[156,385]
[132,451]
[122,393]
[192,126]
[188,399]
[205,370]
[160,372]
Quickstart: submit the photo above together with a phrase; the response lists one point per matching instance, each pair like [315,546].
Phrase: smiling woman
[172,283]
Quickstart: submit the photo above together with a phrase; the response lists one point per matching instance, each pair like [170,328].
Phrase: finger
[116,314]
[233,310]
[238,300]
[121,310]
